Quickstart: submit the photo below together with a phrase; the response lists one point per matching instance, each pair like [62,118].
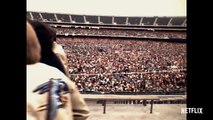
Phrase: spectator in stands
[46,36]
[72,105]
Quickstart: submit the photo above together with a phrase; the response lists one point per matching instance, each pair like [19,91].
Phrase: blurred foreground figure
[51,95]
[59,51]
[46,36]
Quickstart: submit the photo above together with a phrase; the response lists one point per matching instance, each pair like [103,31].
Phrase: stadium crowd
[121,33]
[115,65]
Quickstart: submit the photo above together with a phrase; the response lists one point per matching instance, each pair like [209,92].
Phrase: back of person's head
[46,35]
[33,46]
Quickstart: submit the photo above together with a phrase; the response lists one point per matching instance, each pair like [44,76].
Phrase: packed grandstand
[121,54]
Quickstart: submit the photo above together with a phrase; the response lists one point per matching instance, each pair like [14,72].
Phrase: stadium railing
[105,98]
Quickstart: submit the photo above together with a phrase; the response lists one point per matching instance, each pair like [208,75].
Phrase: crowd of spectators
[121,33]
[116,65]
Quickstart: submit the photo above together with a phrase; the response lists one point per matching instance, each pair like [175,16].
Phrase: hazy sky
[111,7]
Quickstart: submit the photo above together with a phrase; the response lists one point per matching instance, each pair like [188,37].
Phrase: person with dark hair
[46,36]
[51,95]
